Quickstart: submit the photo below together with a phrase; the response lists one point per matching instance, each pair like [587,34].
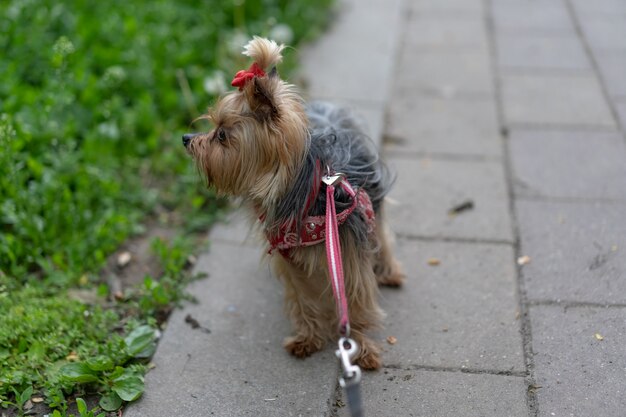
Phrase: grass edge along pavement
[92,103]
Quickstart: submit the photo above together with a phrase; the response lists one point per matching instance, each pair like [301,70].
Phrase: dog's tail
[266,53]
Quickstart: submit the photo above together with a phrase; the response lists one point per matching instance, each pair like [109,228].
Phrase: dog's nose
[187,138]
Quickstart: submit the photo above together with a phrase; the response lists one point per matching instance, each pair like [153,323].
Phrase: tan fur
[310,305]
[256,149]
[264,52]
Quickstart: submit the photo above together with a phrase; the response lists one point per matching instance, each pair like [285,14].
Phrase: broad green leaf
[100,363]
[128,386]
[110,402]
[140,339]
[78,372]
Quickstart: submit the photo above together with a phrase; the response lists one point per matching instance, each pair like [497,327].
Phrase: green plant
[93,99]
[83,411]
[21,398]
[116,383]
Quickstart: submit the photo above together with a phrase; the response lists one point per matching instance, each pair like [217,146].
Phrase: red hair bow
[242,77]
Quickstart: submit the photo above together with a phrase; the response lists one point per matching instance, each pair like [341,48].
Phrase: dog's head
[260,136]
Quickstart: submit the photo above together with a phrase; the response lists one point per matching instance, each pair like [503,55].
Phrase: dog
[271,150]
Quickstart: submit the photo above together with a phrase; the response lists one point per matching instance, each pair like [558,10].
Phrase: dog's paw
[301,347]
[394,280]
[368,357]
[369,360]
[391,278]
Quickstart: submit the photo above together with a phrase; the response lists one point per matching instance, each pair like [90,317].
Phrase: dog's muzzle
[187,137]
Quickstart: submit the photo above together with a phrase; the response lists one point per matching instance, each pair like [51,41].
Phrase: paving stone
[427,189]
[458,314]
[240,367]
[539,17]
[444,71]
[541,52]
[611,7]
[443,125]
[413,393]
[612,65]
[473,7]
[445,31]
[620,107]
[555,99]
[579,375]
[350,47]
[569,163]
[576,251]
[604,32]
[235,228]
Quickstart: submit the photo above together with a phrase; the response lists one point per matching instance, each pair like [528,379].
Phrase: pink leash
[347,347]
[333,255]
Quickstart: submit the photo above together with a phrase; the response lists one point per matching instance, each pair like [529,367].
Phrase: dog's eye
[221,135]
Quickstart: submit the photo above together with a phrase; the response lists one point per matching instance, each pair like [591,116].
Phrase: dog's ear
[261,99]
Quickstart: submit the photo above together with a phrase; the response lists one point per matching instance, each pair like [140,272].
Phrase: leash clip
[351,373]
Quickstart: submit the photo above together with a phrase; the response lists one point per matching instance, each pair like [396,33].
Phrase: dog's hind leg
[387,269]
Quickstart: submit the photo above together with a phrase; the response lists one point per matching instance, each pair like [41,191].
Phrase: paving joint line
[453,369]
[336,398]
[572,200]
[561,126]
[430,92]
[525,324]
[551,71]
[443,156]
[567,304]
[595,67]
[450,239]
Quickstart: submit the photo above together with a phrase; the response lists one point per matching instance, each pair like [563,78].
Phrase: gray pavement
[516,105]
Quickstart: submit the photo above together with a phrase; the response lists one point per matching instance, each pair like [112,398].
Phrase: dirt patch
[120,275]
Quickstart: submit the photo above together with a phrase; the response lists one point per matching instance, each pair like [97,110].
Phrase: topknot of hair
[265,52]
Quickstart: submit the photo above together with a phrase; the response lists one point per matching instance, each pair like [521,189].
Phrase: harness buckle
[333,179]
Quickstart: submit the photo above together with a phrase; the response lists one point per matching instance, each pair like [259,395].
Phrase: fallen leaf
[123,259]
[391,340]
[598,336]
[523,260]
[434,262]
[460,208]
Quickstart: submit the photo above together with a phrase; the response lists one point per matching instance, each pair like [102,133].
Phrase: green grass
[93,100]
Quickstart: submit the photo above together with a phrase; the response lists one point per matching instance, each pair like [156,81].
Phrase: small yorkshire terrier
[271,150]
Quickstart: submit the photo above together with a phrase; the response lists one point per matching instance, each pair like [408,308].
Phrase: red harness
[313,228]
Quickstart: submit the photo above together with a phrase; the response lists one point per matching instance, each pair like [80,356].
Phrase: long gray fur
[337,141]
